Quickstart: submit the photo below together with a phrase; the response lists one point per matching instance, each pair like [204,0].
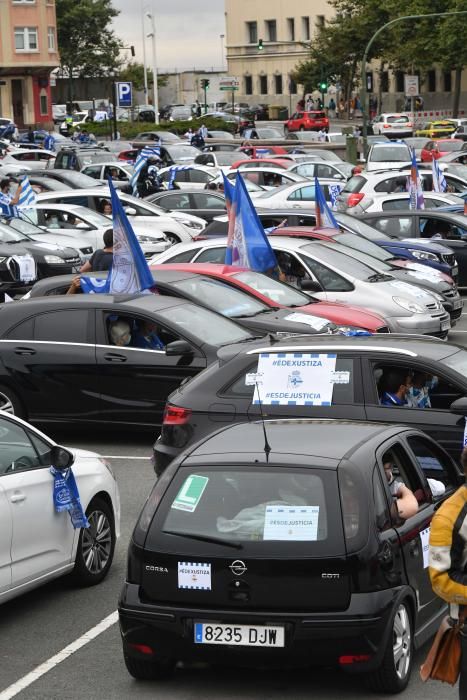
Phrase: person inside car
[418,395]
[404,499]
[145,337]
[120,333]
[395,386]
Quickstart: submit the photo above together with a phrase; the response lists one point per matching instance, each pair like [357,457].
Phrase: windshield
[9,235]
[220,297]
[451,145]
[277,291]
[364,246]
[396,119]
[27,228]
[104,157]
[363,257]
[80,180]
[458,169]
[227,157]
[341,262]
[183,151]
[353,224]
[390,154]
[203,325]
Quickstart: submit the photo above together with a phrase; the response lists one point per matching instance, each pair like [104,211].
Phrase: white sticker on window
[252,378]
[309,320]
[340,377]
[194,575]
[190,494]
[425,536]
[291,523]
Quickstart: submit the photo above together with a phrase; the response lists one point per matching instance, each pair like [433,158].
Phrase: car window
[273,289]
[212,255]
[441,228]
[303,193]
[175,201]
[392,184]
[328,279]
[67,326]
[396,227]
[382,515]
[428,391]
[184,256]
[142,333]
[208,201]
[93,171]
[434,464]
[403,470]
[22,331]
[17,453]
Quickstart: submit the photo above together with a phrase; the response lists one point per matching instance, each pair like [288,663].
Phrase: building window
[385,81]
[278,84]
[271,29]
[291,28]
[248,85]
[320,19]
[51,38]
[306,28]
[24,2]
[431,80]
[399,81]
[252,32]
[447,84]
[292,86]
[26,39]
[263,84]
[44,105]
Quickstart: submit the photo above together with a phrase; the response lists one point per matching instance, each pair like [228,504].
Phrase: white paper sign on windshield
[27,267]
[411,289]
[292,523]
[295,379]
[423,275]
[308,319]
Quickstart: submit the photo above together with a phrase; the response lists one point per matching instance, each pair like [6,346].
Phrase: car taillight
[354,199]
[348,659]
[386,126]
[175,415]
[409,124]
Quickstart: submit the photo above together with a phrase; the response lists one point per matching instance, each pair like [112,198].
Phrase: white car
[300,195]
[337,171]
[177,226]
[268,177]
[37,544]
[120,172]
[388,156]
[36,158]
[87,227]
[392,124]
[220,160]
[192,176]
[313,154]
[390,202]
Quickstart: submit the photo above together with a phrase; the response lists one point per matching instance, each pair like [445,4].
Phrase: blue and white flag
[27,196]
[66,496]
[334,191]
[6,208]
[173,174]
[414,186]
[247,244]
[324,216]
[95,285]
[141,159]
[439,181]
[49,143]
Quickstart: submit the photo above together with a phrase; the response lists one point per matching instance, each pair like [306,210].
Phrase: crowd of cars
[254,498]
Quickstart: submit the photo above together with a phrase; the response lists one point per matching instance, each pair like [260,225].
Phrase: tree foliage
[88,46]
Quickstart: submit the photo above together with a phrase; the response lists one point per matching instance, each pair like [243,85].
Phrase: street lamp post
[155,99]
[365,56]
[222,50]
[145,67]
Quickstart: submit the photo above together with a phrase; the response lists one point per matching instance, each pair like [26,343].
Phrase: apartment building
[28,53]
[283,28]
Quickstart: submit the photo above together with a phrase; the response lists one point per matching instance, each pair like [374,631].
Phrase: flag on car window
[27,196]
[7,209]
[324,216]
[141,159]
[247,243]
[334,191]
[130,271]
[439,181]
[415,189]
[173,174]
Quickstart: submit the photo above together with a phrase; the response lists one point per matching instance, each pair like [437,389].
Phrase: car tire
[173,238]
[10,402]
[144,670]
[96,545]
[394,672]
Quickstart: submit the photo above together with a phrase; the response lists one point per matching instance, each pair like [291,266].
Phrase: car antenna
[267,446]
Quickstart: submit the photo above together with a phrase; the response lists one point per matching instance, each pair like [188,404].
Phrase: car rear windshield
[204,325]
[277,291]
[355,184]
[396,118]
[316,115]
[265,508]
[217,295]
[390,154]
[360,227]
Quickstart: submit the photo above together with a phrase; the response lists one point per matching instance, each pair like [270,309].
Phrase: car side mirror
[61,458]
[178,347]
[459,406]
[83,226]
[130,211]
[310,286]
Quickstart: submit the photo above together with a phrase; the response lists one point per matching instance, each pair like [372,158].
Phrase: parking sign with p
[124,94]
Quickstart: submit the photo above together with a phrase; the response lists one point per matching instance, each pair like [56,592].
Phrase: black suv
[223,394]
[76,157]
[280,543]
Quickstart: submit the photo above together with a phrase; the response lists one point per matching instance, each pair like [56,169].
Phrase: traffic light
[260,44]
[323,86]
[204,83]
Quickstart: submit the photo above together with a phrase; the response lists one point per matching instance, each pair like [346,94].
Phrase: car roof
[304,437]
[434,212]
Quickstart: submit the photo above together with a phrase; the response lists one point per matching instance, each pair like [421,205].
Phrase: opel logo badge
[238,567]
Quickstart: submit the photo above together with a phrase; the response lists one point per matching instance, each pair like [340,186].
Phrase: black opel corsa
[278,543]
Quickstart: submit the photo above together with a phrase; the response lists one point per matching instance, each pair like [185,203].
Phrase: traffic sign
[124,94]
[411,87]
[229,83]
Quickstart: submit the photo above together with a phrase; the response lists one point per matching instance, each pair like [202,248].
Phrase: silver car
[333,276]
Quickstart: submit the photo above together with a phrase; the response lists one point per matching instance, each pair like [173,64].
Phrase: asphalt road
[36,627]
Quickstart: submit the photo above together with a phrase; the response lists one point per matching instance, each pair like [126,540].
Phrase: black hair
[108,238]
[393,380]
[4,183]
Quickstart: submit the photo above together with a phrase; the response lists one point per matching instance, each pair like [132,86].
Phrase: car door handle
[113,357]
[24,351]
[18,497]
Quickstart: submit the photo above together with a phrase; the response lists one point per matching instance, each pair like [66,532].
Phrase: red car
[260,151]
[440,147]
[277,294]
[307,121]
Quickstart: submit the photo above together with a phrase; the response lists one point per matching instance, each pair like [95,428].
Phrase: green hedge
[129,130]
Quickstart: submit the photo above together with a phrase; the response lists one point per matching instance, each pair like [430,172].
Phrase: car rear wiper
[204,538]
[379,277]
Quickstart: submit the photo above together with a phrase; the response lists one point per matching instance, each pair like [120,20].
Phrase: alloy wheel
[402,642]
[97,542]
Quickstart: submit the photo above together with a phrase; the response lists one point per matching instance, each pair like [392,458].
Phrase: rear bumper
[310,639]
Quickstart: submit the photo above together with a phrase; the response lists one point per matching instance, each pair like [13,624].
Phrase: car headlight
[144,239]
[189,223]
[424,255]
[409,305]
[53,259]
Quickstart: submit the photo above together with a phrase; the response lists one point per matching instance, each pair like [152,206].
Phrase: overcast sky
[187,31]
